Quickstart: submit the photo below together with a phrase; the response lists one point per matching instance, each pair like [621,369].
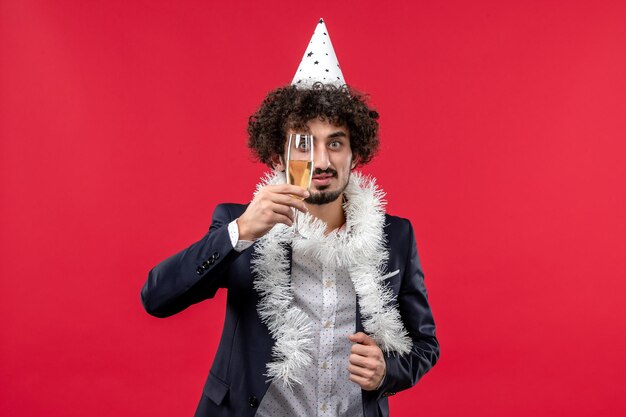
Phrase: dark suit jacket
[236,383]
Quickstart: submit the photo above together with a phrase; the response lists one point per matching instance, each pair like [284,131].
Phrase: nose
[320,158]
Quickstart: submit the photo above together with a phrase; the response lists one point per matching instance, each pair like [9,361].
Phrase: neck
[332,213]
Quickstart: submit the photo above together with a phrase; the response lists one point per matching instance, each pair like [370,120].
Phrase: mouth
[322,179]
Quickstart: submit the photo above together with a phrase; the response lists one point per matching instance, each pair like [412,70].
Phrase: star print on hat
[319,63]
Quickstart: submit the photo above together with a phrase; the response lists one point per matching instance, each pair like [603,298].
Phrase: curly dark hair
[291,108]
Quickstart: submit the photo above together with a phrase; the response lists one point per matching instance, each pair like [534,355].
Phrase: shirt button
[324,365]
[328,283]
[324,407]
[327,323]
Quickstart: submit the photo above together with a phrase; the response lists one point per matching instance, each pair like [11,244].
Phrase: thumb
[361,338]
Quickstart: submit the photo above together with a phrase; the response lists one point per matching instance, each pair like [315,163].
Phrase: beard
[321,196]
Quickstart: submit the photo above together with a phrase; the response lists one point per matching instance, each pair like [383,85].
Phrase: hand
[271,205]
[367,363]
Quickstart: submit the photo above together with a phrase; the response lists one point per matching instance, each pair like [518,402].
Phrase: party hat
[319,63]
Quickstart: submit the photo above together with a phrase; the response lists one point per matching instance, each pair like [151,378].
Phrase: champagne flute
[299,164]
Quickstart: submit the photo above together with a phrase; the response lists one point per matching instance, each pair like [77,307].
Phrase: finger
[300,205]
[362,361]
[283,210]
[288,200]
[359,371]
[362,338]
[280,218]
[359,380]
[364,350]
[288,189]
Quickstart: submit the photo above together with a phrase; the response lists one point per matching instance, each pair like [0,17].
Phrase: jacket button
[211,261]
[200,270]
[253,401]
[216,255]
[205,264]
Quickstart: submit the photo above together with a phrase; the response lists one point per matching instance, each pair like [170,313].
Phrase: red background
[122,125]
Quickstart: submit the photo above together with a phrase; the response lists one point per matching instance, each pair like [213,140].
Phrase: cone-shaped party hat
[319,63]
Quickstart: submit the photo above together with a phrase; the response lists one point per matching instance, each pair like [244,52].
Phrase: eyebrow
[338,134]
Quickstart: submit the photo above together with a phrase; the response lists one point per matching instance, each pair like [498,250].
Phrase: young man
[326,322]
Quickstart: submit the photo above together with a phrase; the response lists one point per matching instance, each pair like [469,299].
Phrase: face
[332,160]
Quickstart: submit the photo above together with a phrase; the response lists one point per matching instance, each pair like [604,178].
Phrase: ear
[277,162]
[355,162]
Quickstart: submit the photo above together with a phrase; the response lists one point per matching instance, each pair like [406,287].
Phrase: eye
[335,145]
[303,142]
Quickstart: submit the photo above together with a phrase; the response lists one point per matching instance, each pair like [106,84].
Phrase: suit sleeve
[404,371]
[193,274]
